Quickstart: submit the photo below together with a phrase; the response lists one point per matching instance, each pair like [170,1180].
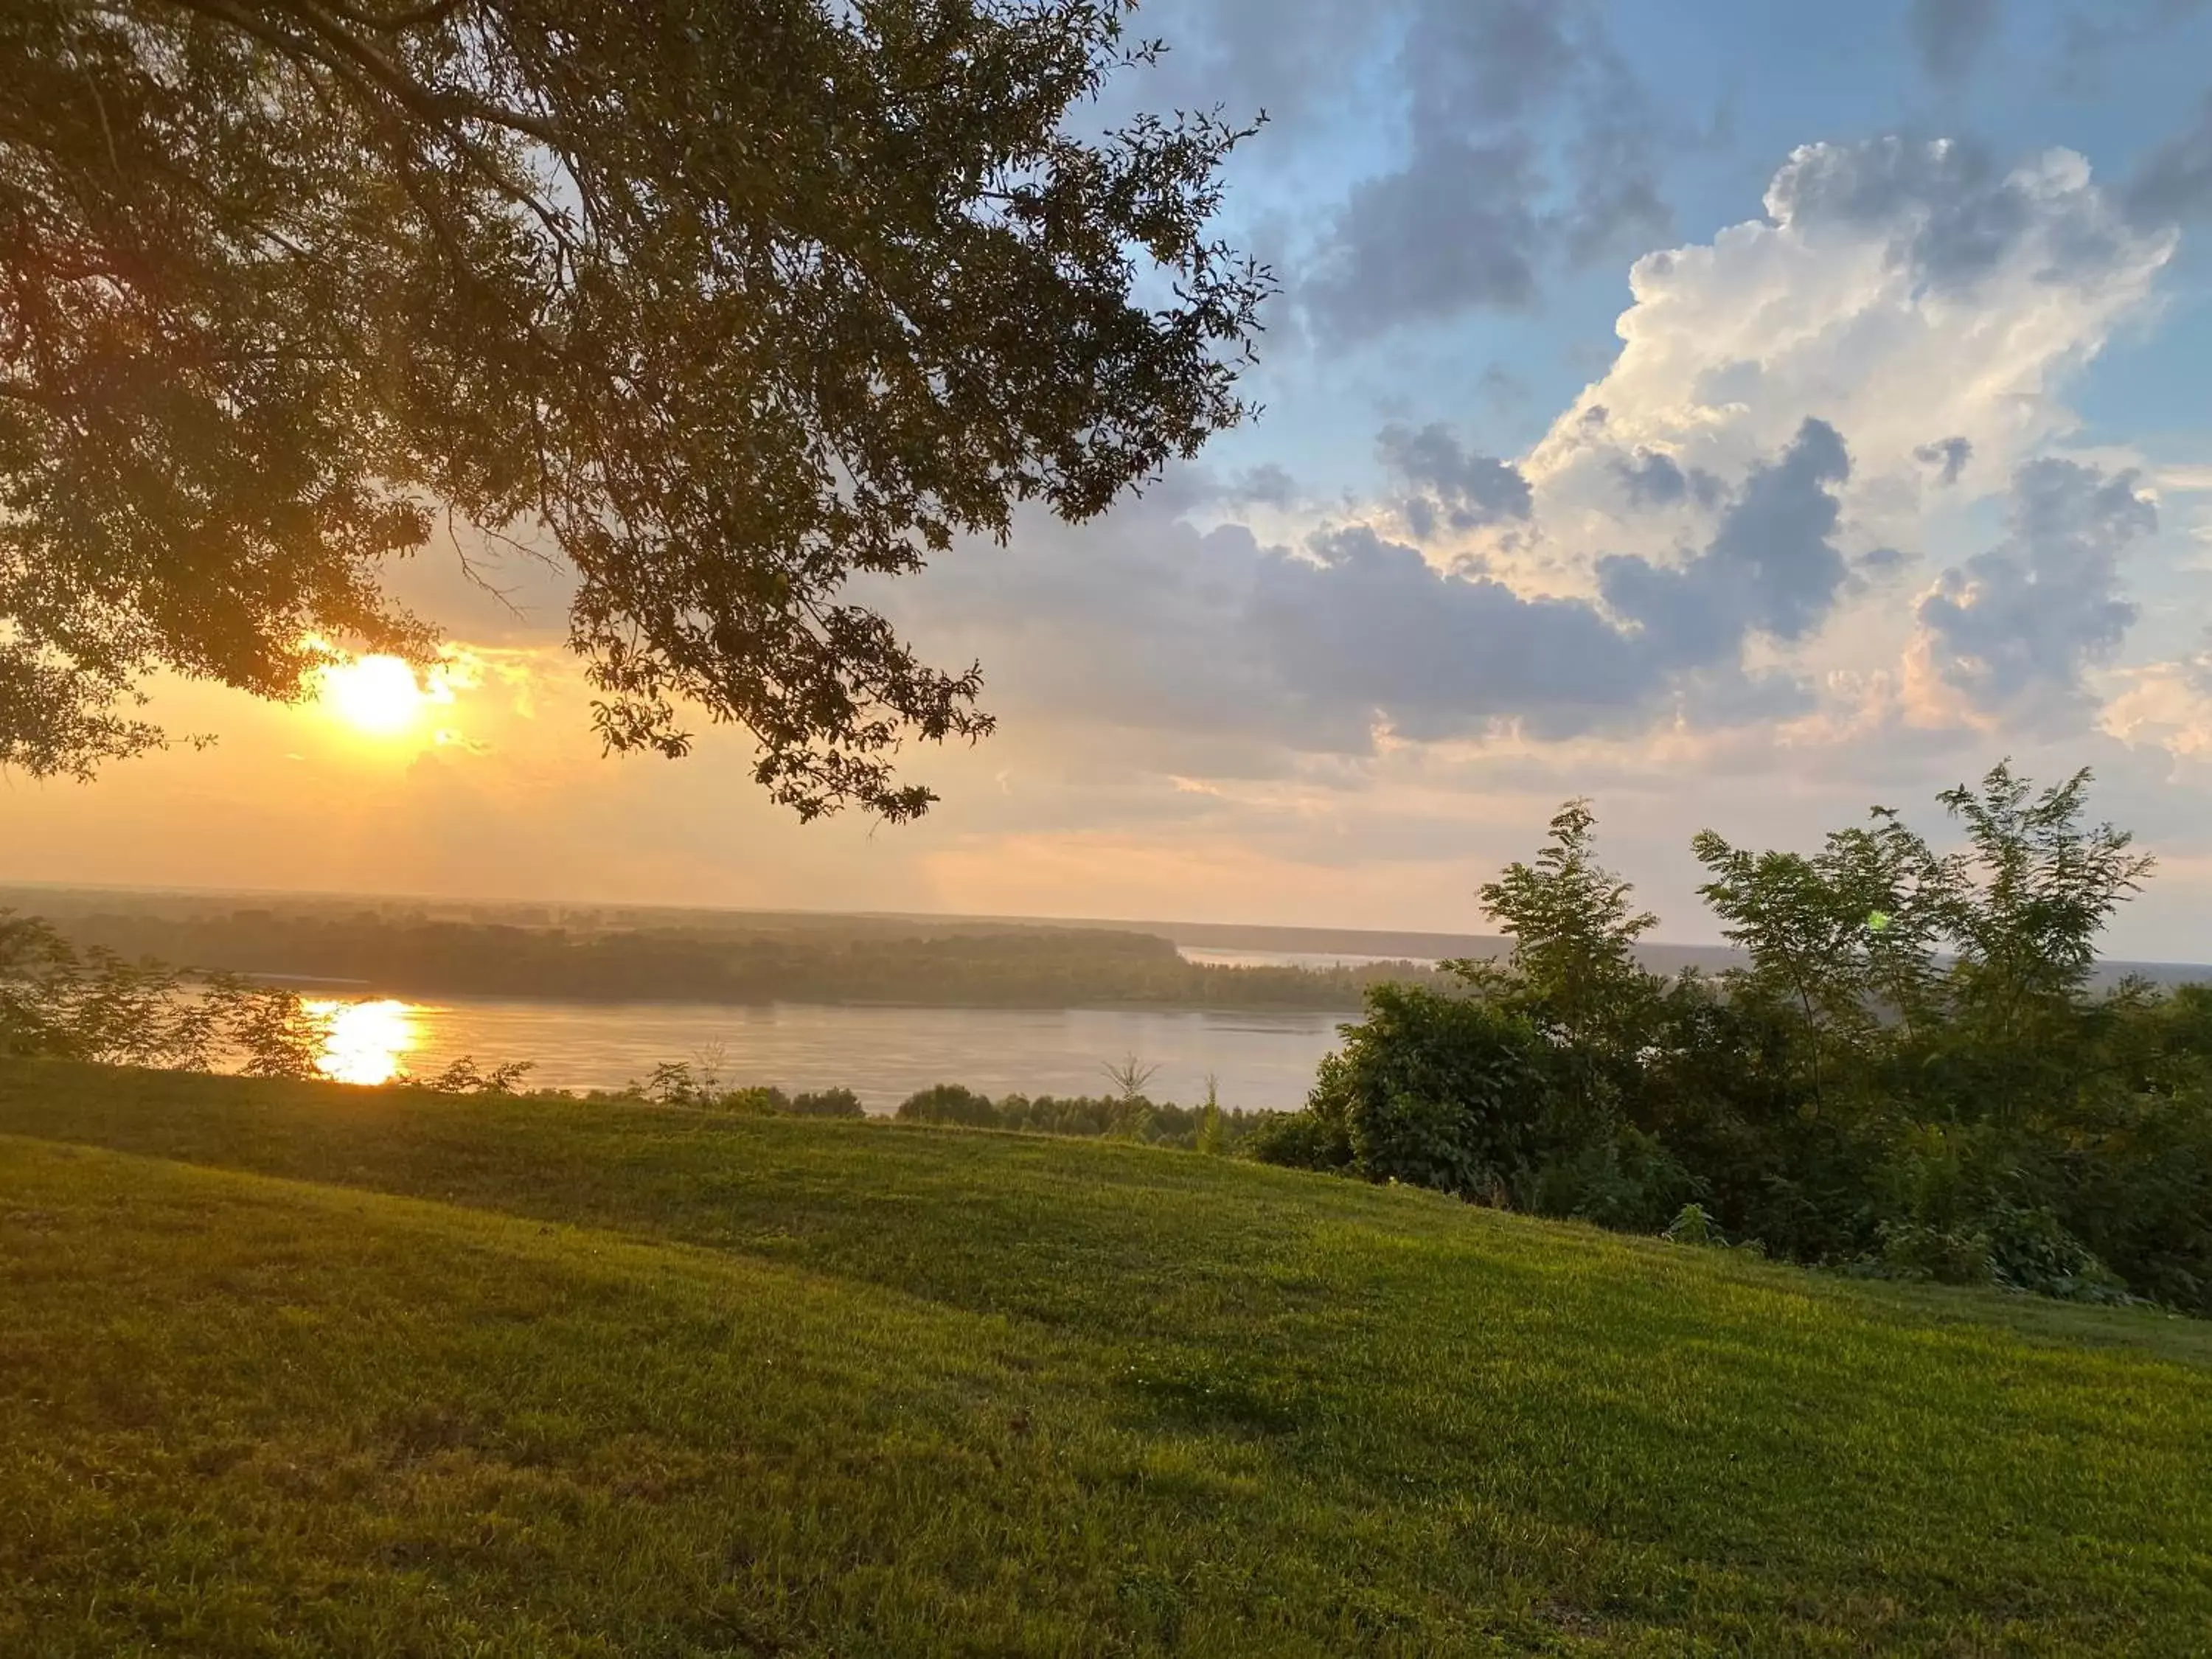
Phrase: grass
[293,1369]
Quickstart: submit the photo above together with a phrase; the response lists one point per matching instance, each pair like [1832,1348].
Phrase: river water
[1259,1062]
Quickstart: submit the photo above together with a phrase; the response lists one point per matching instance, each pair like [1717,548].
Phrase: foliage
[1691,1226]
[1212,1131]
[58,1002]
[1430,1088]
[1207,1127]
[671,1083]
[724,305]
[1909,1075]
[1574,932]
[949,1103]
[465,1077]
[1129,1076]
[1297,1141]
[826,1102]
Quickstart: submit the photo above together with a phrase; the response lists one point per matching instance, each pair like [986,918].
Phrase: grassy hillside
[295,1369]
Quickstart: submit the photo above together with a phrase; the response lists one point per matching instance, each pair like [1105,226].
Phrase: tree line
[1911,1076]
[1034,967]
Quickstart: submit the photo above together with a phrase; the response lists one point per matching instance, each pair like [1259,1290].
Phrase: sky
[1739,414]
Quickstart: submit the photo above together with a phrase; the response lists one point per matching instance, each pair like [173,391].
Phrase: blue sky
[1738,413]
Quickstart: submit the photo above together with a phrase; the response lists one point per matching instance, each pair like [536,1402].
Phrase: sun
[379,696]
[363,1042]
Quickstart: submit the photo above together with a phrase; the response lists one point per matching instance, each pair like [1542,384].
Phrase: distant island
[619,953]
[381,948]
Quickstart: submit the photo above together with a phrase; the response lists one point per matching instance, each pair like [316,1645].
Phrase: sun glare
[379,696]
[366,1040]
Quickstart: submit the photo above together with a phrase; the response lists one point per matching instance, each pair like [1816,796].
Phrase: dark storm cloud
[1954,213]
[1484,202]
[1771,568]
[1369,624]
[1951,35]
[1456,228]
[2090,34]
[1453,487]
[2015,627]
[1948,457]
[2173,182]
[1653,479]
[1265,485]
[1286,56]
[1366,622]
[1143,622]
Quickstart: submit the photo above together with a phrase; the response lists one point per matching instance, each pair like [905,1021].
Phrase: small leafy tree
[38,971]
[465,1077]
[1574,929]
[672,1082]
[1842,939]
[2034,888]
[1573,971]
[278,1034]
[1130,1078]
[1212,1136]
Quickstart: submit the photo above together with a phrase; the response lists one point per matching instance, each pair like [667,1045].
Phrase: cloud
[1951,35]
[1455,228]
[1949,457]
[1894,290]
[1952,214]
[2089,36]
[1454,489]
[1367,624]
[1232,657]
[1284,56]
[2168,705]
[2015,627]
[1654,479]
[1773,567]
[2173,182]
[1699,560]
[1265,485]
[1487,197]
[1439,653]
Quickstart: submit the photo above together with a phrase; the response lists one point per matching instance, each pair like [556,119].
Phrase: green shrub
[827,1102]
[949,1103]
[1436,1091]
[759,1101]
[1630,1182]
[1297,1141]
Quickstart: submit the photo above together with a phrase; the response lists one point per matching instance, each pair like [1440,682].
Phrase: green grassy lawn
[299,1369]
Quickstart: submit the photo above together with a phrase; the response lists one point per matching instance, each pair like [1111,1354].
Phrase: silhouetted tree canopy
[732,298]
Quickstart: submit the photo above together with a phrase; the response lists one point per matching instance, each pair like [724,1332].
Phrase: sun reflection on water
[366,1042]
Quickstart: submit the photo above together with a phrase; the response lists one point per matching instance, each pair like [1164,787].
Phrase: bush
[827,1102]
[759,1101]
[949,1103]
[1630,1182]
[1434,1089]
[1297,1140]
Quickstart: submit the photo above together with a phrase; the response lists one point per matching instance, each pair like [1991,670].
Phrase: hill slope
[301,1369]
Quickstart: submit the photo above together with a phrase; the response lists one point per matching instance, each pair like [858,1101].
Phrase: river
[1259,1062]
